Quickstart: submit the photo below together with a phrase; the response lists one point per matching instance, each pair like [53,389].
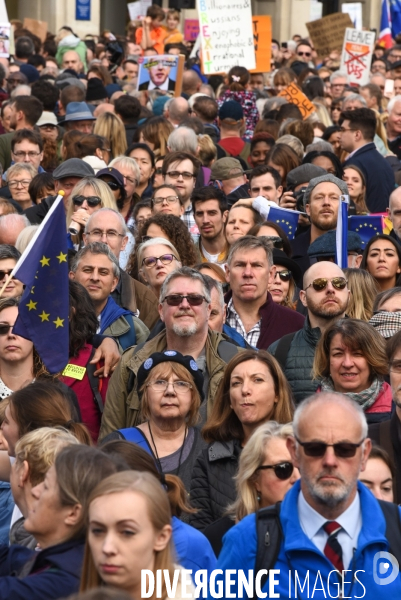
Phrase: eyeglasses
[304,53]
[168,199]
[339,283]
[113,185]
[184,174]
[22,154]
[90,200]
[319,449]
[395,366]
[151,261]
[111,234]
[282,470]
[192,299]
[338,85]
[161,385]
[4,274]
[284,275]
[48,127]
[14,183]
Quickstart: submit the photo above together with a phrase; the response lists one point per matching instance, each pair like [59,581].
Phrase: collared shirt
[163,86]
[233,320]
[350,520]
[356,150]
[188,218]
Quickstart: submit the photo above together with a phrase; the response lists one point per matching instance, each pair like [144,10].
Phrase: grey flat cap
[73,167]
[303,174]
[323,178]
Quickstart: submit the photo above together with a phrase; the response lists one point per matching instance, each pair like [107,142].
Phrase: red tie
[333,549]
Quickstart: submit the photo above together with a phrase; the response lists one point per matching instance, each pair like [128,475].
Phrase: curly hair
[83,321]
[176,232]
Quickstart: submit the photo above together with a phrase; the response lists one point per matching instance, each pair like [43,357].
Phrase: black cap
[171,356]
[95,90]
[116,175]
[280,258]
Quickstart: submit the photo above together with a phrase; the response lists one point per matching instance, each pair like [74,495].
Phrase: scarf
[386,323]
[365,399]
[111,313]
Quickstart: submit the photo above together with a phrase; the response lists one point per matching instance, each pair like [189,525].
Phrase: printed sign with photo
[5,29]
[161,72]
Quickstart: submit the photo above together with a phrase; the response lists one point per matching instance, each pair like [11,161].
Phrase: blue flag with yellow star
[287,219]
[366,225]
[43,310]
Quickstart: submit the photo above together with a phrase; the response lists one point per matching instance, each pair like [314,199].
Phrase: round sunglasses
[339,283]
[90,200]
[282,470]
[285,275]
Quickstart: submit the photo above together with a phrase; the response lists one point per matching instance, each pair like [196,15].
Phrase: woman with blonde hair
[207,150]
[88,195]
[155,134]
[364,289]
[111,127]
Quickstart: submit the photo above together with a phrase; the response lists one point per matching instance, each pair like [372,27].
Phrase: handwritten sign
[293,94]
[191,29]
[262,39]
[357,55]
[327,34]
[226,35]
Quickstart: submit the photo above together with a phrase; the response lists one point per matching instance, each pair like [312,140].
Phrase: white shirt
[163,86]
[350,520]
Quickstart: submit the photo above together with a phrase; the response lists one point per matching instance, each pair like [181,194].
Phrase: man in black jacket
[358,128]
[394,214]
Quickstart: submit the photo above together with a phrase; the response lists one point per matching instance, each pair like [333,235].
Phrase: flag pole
[9,277]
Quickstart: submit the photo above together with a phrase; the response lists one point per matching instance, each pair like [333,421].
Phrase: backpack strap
[128,339]
[269,537]
[226,350]
[391,513]
[135,435]
[283,348]
[94,382]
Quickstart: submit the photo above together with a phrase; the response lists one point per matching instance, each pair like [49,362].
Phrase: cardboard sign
[327,34]
[357,55]
[226,35]
[191,29]
[162,72]
[293,94]
[262,40]
[39,28]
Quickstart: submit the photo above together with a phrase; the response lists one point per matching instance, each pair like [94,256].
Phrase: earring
[258,498]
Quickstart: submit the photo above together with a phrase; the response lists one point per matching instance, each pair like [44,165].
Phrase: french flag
[385,26]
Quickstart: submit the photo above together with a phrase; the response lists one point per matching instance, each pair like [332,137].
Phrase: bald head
[177,110]
[322,269]
[71,60]
[328,303]
[394,210]
[191,82]
[10,228]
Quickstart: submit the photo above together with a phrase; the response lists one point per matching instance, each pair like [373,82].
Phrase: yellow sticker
[75,372]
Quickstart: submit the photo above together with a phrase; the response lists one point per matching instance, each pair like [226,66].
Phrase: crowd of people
[232,382]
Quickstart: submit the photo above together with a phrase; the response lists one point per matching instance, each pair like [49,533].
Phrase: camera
[299,196]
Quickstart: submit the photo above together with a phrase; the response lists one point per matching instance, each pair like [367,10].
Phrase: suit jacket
[171,85]
[379,176]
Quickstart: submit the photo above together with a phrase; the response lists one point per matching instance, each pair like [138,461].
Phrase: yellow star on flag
[44,316]
[32,288]
[59,322]
[62,257]
[45,262]
[31,305]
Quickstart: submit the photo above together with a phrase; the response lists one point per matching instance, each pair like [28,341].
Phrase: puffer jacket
[212,485]
[122,405]
[298,366]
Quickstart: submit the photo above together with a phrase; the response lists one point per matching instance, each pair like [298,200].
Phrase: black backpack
[270,535]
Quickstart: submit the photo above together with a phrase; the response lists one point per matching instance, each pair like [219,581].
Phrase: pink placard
[191,29]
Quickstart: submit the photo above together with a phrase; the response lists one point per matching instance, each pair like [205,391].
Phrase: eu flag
[287,219]
[395,12]
[43,310]
[366,225]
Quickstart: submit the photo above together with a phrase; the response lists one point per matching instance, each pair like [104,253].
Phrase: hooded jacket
[71,42]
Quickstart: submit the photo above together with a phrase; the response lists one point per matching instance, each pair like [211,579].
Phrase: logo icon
[385,568]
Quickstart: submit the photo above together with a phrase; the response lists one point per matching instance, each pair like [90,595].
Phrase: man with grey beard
[184,307]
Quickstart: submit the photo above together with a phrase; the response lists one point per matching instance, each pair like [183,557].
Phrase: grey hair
[330,398]
[293,142]
[128,163]
[352,98]
[183,139]
[117,214]
[154,242]
[96,248]
[337,75]
[320,146]
[25,237]
[393,102]
[187,273]
[18,168]
[8,251]
[21,90]
[13,219]
[250,242]
[213,284]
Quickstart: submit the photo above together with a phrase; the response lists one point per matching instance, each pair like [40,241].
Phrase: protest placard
[162,72]
[262,39]
[191,29]
[357,55]
[293,94]
[327,34]
[226,35]
[39,28]
[137,10]
[5,35]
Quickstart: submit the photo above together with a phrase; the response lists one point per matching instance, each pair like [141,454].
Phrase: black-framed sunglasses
[5,328]
[319,449]
[5,273]
[284,275]
[113,185]
[192,299]
[90,200]
[282,470]
[339,283]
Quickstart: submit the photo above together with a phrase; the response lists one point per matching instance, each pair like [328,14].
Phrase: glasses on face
[192,299]
[22,154]
[4,274]
[110,234]
[151,261]
[14,183]
[284,275]
[319,449]
[282,470]
[48,127]
[339,283]
[186,175]
[304,53]
[5,328]
[161,385]
[113,185]
[338,85]
[168,199]
[90,200]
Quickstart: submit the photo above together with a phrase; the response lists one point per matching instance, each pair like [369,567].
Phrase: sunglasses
[4,274]
[339,283]
[284,275]
[151,261]
[5,328]
[90,200]
[282,470]
[319,449]
[192,299]
[113,185]
[304,53]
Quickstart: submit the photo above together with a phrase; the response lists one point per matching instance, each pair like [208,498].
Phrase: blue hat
[78,111]
[170,356]
[116,175]
[111,88]
[325,245]
[158,105]
[231,110]
[30,72]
